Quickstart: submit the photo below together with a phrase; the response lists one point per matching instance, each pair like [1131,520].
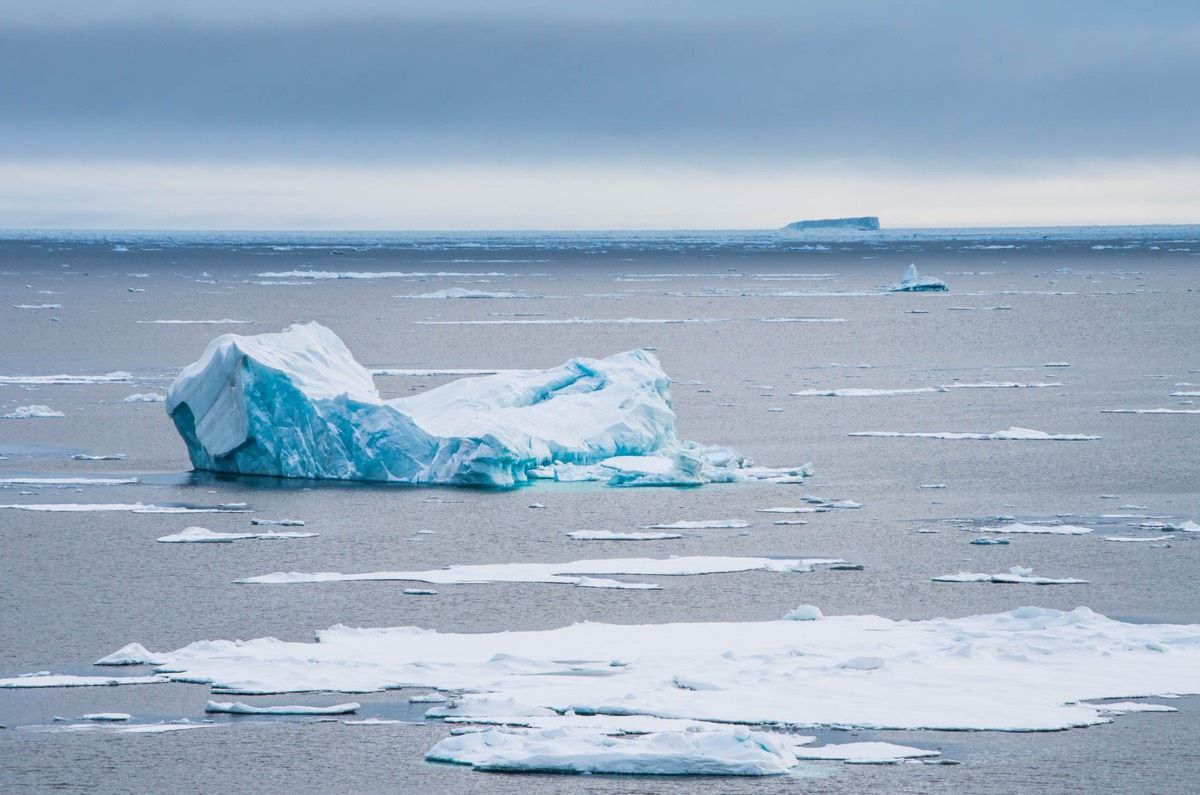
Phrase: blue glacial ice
[913,282]
[297,404]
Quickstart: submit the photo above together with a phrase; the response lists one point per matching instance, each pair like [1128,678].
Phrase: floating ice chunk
[1132,540]
[277,522]
[784,509]
[577,321]
[579,573]
[1027,669]
[983,542]
[832,504]
[67,481]
[702,524]
[122,728]
[1185,394]
[461,292]
[1017,575]
[789,522]
[132,507]
[608,535]
[35,411]
[727,752]
[932,486]
[427,698]
[1012,434]
[862,753]
[804,613]
[297,404]
[105,457]
[116,376]
[1044,529]
[418,592]
[238,708]
[107,717]
[1057,364]
[201,535]
[325,275]
[45,679]
[130,654]
[921,390]
[1123,707]
[37,306]
[1188,527]
[1150,411]
[145,397]
[914,282]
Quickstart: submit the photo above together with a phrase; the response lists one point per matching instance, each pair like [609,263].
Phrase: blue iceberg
[913,282]
[296,404]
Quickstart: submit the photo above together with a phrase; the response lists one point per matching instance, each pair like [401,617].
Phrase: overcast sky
[527,114]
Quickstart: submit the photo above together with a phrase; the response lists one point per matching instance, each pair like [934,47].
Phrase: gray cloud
[941,83]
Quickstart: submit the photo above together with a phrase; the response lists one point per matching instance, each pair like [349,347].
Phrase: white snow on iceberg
[913,282]
[1024,670]
[1013,434]
[581,573]
[297,404]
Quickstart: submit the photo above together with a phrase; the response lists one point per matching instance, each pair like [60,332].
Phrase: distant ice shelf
[297,404]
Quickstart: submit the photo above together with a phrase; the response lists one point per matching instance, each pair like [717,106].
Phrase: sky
[542,114]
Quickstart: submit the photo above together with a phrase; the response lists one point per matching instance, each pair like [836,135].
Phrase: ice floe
[47,679]
[121,728]
[145,397]
[609,535]
[800,509]
[576,321]
[1150,411]
[919,390]
[1024,670]
[1017,575]
[914,282]
[863,753]
[804,613]
[1012,434]
[580,573]
[723,752]
[130,507]
[297,404]
[462,292]
[702,524]
[117,376]
[1124,707]
[222,322]
[277,522]
[328,275]
[239,708]
[1142,540]
[33,412]
[107,716]
[67,481]
[201,535]
[104,457]
[37,306]
[1042,529]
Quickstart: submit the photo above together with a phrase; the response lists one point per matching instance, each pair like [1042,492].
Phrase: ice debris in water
[238,708]
[297,404]
[1012,434]
[130,507]
[1017,575]
[804,613]
[278,522]
[608,535]
[201,535]
[913,282]
[1023,670]
[461,292]
[117,376]
[702,524]
[35,411]
[145,397]
[106,717]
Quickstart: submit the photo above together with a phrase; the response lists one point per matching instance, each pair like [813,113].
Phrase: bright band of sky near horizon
[533,114]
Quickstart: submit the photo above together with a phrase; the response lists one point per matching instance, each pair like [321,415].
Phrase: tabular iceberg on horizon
[297,404]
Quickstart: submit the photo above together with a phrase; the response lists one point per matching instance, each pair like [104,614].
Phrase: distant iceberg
[864,223]
[297,404]
[913,282]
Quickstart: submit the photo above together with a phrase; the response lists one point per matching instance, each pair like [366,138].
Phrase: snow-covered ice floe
[609,535]
[121,728]
[1150,411]
[238,708]
[1017,575]
[67,481]
[117,376]
[1042,529]
[1013,434]
[130,507]
[701,524]
[919,390]
[914,282]
[462,292]
[201,535]
[36,411]
[581,573]
[1030,669]
[47,679]
[297,404]
[145,397]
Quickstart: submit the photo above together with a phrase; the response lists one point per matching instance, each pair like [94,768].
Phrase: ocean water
[1120,306]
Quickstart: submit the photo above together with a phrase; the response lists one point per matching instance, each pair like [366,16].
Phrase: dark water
[75,586]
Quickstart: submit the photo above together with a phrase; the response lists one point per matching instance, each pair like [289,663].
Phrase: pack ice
[297,404]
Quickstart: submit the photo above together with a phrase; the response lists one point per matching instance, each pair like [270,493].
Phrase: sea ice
[608,535]
[1017,575]
[277,522]
[222,322]
[804,613]
[1024,670]
[803,509]
[1044,529]
[297,404]
[1012,434]
[201,535]
[46,679]
[133,507]
[106,716]
[238,708]
[460,292]
[913,282]
[703,524]
[579,573]
[863,752]
[724,752]
[920,390]
[1150,411]
[145,397]
[67,481]
[33,412]
[1132,540]
[117,376]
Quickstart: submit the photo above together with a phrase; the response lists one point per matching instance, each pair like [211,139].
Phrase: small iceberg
[914,282]
[145,397]
[238,708]
[297,404]
[33,412]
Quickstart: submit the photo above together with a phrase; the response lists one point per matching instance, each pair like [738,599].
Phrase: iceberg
[33,412]
[238,708]
[296,404]
[862,223]
[913,282]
